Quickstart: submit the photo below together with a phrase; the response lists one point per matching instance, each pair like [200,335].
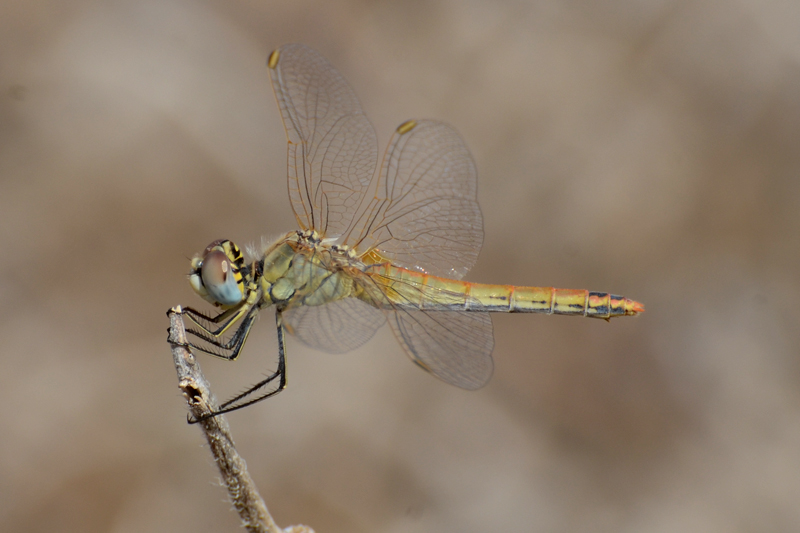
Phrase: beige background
[648,148]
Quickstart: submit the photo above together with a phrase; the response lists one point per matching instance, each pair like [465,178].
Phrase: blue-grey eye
[219,279]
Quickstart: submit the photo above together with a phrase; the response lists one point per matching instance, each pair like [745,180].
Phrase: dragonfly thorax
[302,269]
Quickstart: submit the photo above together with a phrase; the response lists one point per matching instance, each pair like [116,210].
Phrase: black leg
[225,349]
[226,317]
[233,404]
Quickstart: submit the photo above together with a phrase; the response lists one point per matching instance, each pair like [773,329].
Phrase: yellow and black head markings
[219,275]
[374,247]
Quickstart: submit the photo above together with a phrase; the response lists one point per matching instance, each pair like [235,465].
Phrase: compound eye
[219,279]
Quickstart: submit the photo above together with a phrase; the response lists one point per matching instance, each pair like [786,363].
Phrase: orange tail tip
[632,307]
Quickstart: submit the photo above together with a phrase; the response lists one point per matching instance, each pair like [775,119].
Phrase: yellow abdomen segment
[407,288]
[550,300]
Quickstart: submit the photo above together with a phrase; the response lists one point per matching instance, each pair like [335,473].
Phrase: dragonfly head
[218,276]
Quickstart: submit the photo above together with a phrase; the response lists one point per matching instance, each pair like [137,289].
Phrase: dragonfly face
[217,275]
[377,243]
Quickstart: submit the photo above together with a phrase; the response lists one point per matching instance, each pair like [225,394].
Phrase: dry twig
[241,488]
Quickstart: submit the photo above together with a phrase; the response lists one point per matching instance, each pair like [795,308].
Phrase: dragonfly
[375,244]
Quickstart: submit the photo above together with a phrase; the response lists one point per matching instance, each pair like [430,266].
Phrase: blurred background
[646,148]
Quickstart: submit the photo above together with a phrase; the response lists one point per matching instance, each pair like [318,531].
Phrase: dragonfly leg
[235,403]
[229,349]
[226,317]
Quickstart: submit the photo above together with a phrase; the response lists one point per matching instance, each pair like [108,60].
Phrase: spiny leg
[233,345]
[280,372]
[226,317]
[230,405]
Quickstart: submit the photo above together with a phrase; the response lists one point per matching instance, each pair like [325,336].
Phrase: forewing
[425,214]
[333,150]
[454,346]
[336,327]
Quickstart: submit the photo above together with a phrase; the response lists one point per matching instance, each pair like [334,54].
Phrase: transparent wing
[454,346]
[425,213]
[336,327]
[333,150]
[433,328]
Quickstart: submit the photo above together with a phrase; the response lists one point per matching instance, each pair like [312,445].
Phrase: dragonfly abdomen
[407,288]
[549,300]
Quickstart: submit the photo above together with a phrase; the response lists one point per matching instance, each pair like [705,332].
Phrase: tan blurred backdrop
[647,148]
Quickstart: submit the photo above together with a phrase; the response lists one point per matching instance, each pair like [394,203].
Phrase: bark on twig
[241,488]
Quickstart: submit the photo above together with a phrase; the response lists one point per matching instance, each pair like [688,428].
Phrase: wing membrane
[421,213]
[442,337]
[454,346]
[336,327]
[333,150]
[425,213]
